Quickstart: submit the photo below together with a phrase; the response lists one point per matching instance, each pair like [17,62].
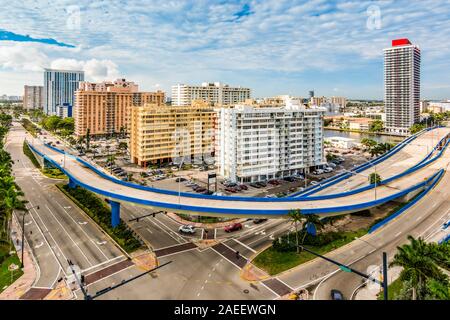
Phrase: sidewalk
[24,283]
[371,291]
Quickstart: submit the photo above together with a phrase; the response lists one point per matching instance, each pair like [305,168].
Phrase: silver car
[186,229]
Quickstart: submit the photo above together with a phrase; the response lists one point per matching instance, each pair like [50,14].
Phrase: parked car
[217,194]
[314,183]
[274,182]
[336,295]
[233,227]
[289,179]
[200,189]
[186,229]
[255,185]
[270,196]
[243,187]
[208,192]
[230,189]
[230,184]
[328,169]
[258,221]
[262,184]
[446,225]
[180,179]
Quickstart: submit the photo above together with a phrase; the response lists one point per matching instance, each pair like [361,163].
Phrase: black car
[336,295]
[255,185]
[180,179]
[257,221]
[289,179]
[262,184]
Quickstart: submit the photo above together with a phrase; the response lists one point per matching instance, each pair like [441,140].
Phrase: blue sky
[272,46]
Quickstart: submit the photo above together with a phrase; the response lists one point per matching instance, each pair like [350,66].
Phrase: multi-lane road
[59,231]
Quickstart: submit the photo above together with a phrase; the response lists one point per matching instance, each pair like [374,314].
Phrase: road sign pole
[385,276]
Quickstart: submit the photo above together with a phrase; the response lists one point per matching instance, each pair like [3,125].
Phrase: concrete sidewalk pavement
[24,283]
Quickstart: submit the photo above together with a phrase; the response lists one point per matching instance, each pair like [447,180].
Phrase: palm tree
[296,216]
[311,220]
[416,259]
[88,138]
[374,178]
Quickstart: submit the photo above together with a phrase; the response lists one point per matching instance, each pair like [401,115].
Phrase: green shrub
[27,151]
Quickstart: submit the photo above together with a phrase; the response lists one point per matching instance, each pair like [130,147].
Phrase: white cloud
[95,70]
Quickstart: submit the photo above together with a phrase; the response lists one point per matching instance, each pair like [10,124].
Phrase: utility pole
[349,269]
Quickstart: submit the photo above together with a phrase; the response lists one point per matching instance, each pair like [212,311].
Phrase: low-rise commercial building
[172,133]
[254,144]
[105,108]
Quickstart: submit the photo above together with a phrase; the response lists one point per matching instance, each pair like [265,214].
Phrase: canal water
[359,136]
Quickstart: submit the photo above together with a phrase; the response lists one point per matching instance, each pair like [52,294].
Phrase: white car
[328,169]
[186,229]
[313,183]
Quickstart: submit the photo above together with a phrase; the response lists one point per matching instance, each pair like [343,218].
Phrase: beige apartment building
[163,134]
[105,108]
[33,97]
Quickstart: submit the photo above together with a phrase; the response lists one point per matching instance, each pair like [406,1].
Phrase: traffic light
[82,278]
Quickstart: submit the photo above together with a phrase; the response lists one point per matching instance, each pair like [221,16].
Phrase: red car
[274,182]
[233,227]
[243,187]
[229,189]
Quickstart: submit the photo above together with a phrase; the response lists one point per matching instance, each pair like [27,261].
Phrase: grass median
[7,277]
[274,261]
[97,209]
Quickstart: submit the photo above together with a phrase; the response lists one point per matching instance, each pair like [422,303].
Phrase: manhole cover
[246,291]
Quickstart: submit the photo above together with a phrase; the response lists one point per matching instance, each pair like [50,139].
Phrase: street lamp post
[23,232]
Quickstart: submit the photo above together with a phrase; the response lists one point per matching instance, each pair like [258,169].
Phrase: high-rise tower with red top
[401,86]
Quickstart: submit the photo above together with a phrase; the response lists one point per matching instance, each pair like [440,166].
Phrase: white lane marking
[85,222]
[39,245]
[28,223]
[100,243]
[285,284]
[102,263]
[245,246]
[323,280]
[82,223]
[165,231]
[418,218]
[276,294]
[46,241]
[68,234]
[148,229]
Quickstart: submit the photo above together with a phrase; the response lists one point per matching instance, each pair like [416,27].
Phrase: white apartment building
[254,144]
[401,86]
[214,93]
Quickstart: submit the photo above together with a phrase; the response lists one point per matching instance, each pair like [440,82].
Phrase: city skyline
[272,48]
